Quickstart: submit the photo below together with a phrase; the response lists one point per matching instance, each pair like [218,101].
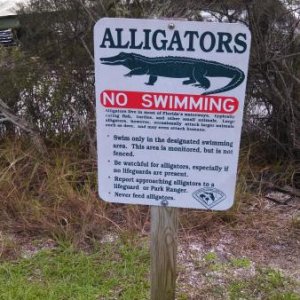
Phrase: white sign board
[170,98]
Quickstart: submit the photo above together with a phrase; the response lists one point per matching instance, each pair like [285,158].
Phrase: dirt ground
[222,256]
[264,234]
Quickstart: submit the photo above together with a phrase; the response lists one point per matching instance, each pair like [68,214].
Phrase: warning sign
[170,98]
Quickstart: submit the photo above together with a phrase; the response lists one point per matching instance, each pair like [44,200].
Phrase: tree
[55,78]
[275,70]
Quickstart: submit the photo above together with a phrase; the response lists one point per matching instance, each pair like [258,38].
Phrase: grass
[55,197]
[114,271]
[210,257]
[212,262]
[120,270]
[236,278]
[242,262]
[267,284]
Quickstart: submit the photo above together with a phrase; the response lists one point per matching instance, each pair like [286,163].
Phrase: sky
[7,6]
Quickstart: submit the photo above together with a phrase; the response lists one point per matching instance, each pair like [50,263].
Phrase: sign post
[163,252]
[170,98]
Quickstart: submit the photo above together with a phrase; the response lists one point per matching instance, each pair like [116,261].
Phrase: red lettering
[173,102]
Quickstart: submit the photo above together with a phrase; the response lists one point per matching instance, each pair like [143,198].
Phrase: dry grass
[255,176]
[56,196]
[52,195]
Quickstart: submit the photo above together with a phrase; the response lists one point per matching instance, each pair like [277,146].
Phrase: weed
[210,257]
[182,296]
[241,262]
[236,290]
[296,221]
[212,262]
[9,248]
[266,284]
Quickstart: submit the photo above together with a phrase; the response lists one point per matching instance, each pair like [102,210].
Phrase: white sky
[7,6]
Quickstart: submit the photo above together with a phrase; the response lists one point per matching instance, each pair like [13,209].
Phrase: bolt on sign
[170,97]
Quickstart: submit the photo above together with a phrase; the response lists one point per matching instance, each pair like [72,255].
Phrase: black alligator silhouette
[197,70]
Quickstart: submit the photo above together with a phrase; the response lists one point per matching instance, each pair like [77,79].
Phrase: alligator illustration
[196,70]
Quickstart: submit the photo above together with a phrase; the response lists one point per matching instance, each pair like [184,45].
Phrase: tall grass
[53,195]
[56,195]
